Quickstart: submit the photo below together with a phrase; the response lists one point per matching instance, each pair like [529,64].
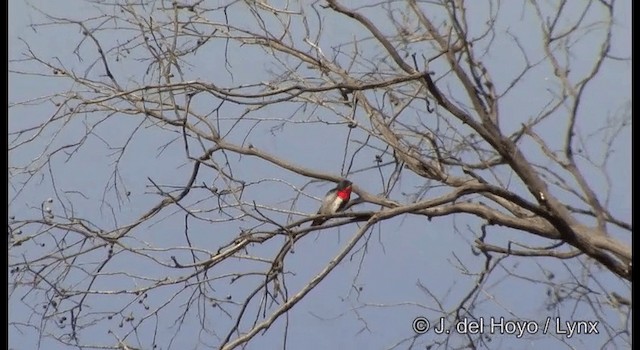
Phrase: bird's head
[344,184]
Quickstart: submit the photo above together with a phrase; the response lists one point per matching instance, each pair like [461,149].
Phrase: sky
[372,297]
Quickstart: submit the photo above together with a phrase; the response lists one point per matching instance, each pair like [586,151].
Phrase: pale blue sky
[400,253]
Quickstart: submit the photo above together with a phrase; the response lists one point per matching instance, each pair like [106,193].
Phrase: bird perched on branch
[334,201]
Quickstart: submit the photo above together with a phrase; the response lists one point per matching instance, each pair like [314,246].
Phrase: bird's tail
[318,221]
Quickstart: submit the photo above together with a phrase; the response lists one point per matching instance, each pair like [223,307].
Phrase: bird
[334,201]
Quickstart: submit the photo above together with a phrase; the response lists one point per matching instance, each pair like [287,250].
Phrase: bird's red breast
[345,193]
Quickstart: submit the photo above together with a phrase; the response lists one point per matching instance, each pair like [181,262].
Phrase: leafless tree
[162,192]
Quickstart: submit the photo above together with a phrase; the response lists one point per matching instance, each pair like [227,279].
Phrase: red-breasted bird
[334,201]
